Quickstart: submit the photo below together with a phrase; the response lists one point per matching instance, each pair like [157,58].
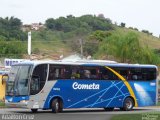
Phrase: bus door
[38,91]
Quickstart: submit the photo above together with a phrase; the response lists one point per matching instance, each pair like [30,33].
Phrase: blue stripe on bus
[110,94]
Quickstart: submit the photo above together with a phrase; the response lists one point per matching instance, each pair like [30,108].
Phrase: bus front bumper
[21,104]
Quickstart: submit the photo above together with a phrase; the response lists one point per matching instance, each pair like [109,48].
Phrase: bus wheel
[128,104]
[109,109]
[34,110]
[56,105]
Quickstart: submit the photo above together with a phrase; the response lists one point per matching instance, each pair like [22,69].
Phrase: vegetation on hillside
[10,29]
[126,47]
[100,38]
[83,24]
[12,49]
[11,38]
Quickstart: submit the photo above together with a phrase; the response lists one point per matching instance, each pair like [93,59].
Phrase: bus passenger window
[124,73]
[136,74]
[134,77]
[57,73]
[107,74]
[93,74]
[51,73]
[75,74]
[67,72]
[90,72]
[87,74]
[105,77]
[148,74]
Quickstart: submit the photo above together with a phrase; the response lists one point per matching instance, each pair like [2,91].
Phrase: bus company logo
[94,86]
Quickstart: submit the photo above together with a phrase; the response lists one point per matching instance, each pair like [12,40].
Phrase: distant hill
[65,35]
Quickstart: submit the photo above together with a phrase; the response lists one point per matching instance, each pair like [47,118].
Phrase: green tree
[100,35]
[71,23]
[10,28]
[123,24]
[50,23]
[147,32]
[14,49]
[126,48]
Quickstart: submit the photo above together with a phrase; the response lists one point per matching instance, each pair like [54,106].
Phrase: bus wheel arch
[56,104]
[128,103]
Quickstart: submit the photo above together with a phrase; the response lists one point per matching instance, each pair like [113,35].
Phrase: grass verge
[2,104]
[127,117]
[142,116]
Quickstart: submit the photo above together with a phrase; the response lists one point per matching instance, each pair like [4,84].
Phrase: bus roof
[88,63]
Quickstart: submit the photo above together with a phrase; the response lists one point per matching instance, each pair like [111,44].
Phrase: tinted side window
[143,74]
[76,73]
[90,72]
[38,78]
[149,74]
[59,72]
[136,74]
[107,74]
[123,71]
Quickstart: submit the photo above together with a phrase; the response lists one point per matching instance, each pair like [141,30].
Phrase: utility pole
[81,44]
[29,44]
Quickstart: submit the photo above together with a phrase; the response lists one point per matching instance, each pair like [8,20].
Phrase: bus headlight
[6,101]
[24,101]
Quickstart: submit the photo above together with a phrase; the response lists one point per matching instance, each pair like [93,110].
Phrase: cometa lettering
[76,85]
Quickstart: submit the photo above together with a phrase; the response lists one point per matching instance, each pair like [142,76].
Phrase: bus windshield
[17,83]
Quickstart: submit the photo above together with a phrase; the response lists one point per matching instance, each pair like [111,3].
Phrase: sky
[141,14]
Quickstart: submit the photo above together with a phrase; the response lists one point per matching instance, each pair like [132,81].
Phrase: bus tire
[34,110]
[56,105]
[128,104]
[109,108]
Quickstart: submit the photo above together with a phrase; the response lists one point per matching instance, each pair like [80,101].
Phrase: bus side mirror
[4,78]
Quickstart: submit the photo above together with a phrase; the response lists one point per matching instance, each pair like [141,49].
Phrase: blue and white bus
[60,85]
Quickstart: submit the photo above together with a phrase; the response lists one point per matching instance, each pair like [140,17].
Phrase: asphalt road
[72,114]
